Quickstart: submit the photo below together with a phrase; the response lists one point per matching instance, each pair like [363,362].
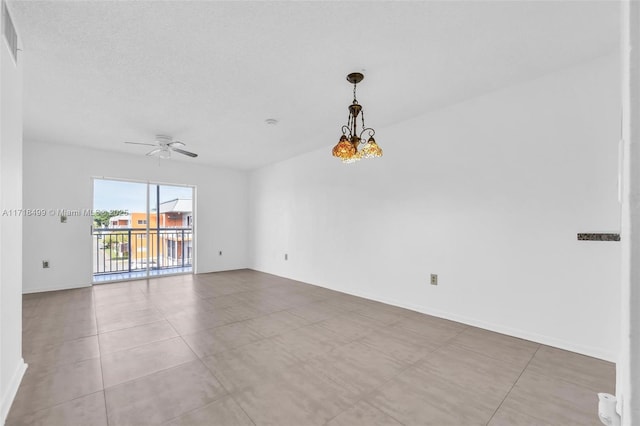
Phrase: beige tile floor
[247,348]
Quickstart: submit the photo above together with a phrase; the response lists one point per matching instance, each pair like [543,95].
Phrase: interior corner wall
[12,366]
[628,367]
[60,176]
[489,194]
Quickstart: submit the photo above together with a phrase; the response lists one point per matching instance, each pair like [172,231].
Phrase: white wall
[12,366]
[60,177]
[489,194]
[628,367]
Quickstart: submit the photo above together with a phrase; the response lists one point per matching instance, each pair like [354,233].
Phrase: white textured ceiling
[98,73]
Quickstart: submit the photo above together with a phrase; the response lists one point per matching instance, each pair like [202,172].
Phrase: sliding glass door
[141,229]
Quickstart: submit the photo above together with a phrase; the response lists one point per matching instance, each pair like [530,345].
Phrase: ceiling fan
[163,147]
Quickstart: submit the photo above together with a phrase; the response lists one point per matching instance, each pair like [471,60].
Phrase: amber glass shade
[355,157]
[371,149]
[344,149]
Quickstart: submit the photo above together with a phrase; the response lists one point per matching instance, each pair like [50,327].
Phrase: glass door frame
[148,229]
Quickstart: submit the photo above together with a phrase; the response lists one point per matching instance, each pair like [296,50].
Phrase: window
[142,221]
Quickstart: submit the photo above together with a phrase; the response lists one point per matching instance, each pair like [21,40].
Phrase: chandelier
[347,147]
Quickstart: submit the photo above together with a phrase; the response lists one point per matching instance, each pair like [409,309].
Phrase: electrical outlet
[434,279]
[286,256]
[45,263]
[220,253]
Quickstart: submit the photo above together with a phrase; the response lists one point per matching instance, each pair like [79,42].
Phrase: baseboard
[57,288]
[534,337]
[514,332]
[225,269]
[12,390]
[498,328]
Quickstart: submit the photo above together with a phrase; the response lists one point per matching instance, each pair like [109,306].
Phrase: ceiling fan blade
[154,151]
[182,151]
[140,143]
[175,143]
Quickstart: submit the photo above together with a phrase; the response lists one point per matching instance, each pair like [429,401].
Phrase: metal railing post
[97,253]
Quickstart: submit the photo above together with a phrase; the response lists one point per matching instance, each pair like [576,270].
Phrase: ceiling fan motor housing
[163,139]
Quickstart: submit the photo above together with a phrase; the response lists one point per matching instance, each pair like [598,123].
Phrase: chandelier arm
[371,132]
[347,147]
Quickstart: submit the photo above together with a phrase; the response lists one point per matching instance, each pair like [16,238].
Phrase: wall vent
[10,34]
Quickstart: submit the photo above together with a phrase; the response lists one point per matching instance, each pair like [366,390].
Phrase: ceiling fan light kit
[163,147]
[347,147]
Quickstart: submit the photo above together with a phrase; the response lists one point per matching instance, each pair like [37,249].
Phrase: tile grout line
[104,391]
[370,405]
[100,351]
[366,395]
[96,334]
[564,379]
[370,316]
[129,328]
[462,346]
[157,341]
[296,364]
[515,382]
[227,393]
[409,366]
[239,405]
[60,404]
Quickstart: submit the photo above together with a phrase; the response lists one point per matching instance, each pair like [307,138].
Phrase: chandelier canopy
[347,147]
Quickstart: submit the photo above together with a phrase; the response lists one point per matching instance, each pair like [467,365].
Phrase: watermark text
[60,212]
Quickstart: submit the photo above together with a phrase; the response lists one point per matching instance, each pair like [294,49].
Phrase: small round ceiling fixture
[355,77]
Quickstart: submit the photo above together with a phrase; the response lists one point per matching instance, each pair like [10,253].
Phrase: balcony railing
[133,249]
